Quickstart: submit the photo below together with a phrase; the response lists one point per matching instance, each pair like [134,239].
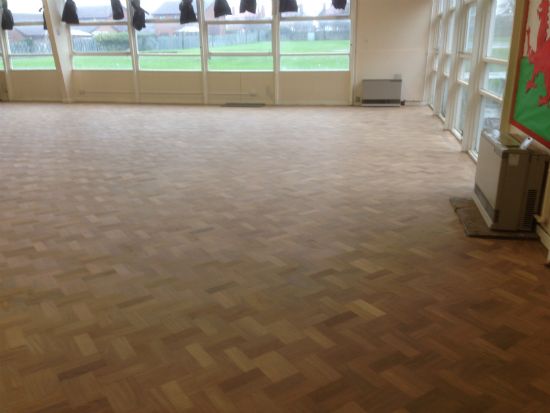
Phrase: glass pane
[438,35]
[102,63]
[461,109]
[338,62]
[447,67]
[170,38]
[465,70]
[26,10]
[436,62]
[319,8]
[502,23]
[432,90]
[450,34]
[92,10]
[29,40]
[452,4]
[468,45]
[105,39]
[164,9]
[32,63]
[235,38]
[263,10]
[444,98]
[160,62]
[495,78]
[315,36]
[240,63]
[489,120]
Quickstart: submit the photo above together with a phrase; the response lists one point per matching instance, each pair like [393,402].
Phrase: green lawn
[30,63]
[190,59]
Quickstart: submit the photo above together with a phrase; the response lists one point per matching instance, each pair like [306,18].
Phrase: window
[461,110]
[263,11]
[491,111]
[241,41]
[318,8]
[238,38]
[99,42]
[29,45]
[501,29]
[444,97]
[468,44]
[465,70]
[440,6]
[495,78]
[494,67]
[433,89]
[165,44]
[444,46]
[451,32]
[447,66]
[317,37]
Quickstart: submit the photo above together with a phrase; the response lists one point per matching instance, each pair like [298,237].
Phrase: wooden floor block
[274,260]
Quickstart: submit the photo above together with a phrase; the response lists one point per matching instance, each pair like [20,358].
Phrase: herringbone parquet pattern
[275,260]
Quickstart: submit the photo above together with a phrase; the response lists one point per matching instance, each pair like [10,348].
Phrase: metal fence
[116,42]
[31,45]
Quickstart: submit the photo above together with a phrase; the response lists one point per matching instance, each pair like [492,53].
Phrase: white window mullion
[133,51]
[203,36]
[474,105]
[276,49]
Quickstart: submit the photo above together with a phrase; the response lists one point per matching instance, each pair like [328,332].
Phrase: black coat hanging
[187,13]
[138,21]
[221,8]
[70,15]
[118,10]
[339,4]
[288,6]
[248,5]
[7,17]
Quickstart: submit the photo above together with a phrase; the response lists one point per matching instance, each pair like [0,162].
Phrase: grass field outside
[189,59]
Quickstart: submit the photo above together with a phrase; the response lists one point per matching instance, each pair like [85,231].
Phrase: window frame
[140,54]
[208,54]
[8,55]
[343,17]
[105,22]
[473,89]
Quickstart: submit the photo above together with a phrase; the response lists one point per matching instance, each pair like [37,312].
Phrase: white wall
[35,85]
[314,88]
[392,38]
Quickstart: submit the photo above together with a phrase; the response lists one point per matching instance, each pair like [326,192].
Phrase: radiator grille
[396,102]
[528,220]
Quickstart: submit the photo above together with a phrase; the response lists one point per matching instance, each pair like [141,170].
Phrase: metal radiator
[381,92]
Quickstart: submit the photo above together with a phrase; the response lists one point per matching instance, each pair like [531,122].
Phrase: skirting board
[545,238]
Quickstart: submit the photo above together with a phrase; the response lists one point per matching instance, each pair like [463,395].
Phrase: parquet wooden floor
[273,260]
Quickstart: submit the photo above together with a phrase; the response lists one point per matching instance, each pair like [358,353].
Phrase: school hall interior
[279,206]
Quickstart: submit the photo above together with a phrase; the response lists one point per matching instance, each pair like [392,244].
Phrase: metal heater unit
[510,183]
[381,92]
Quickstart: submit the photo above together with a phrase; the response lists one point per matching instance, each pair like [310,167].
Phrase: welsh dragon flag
[531,111]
